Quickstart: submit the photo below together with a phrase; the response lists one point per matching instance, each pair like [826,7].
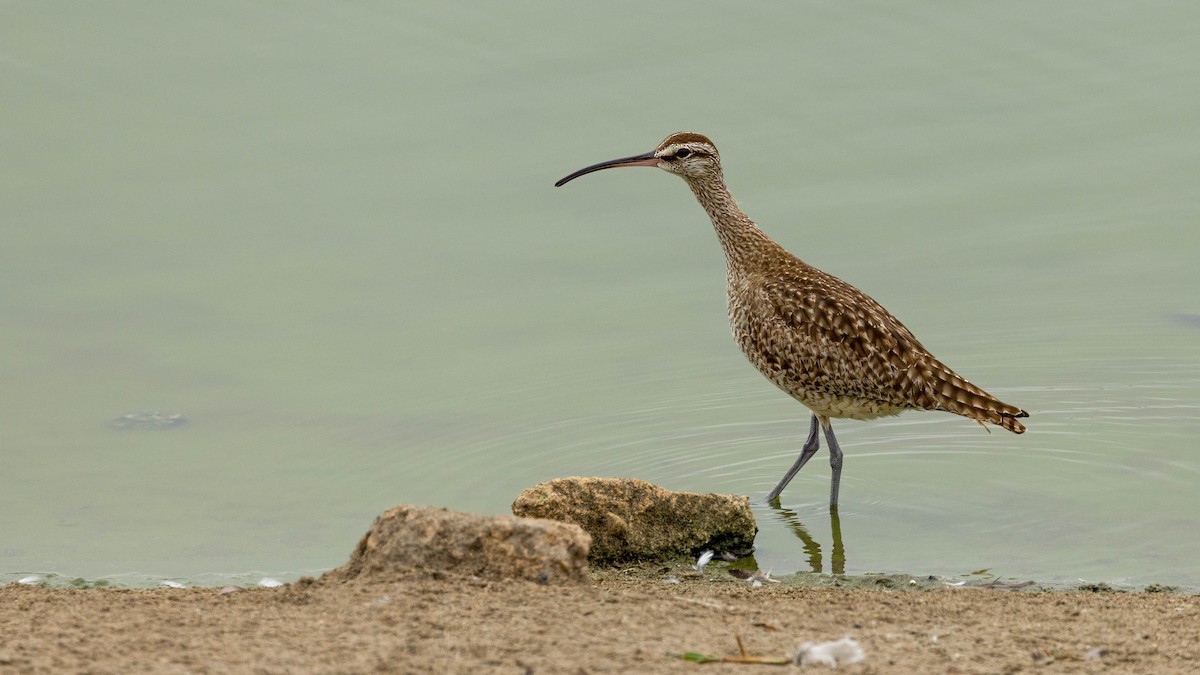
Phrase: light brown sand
[616,623]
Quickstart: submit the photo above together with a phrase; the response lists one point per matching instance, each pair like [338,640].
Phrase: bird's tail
[1009,421]
[957,395]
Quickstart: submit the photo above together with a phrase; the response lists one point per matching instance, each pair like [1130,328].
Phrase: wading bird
[822,341]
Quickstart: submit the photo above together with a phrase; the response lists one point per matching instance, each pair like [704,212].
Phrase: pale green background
[327,234]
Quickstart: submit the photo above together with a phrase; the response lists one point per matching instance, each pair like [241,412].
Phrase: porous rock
[632,520]
[406,539]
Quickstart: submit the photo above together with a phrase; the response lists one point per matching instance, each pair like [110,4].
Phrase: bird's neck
[740,238]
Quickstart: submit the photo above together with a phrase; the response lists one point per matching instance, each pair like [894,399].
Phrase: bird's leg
[810,448]
[835,461]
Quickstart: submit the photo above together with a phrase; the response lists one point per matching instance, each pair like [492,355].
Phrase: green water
[327,235]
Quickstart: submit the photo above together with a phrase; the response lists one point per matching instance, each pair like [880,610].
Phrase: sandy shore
[618,622]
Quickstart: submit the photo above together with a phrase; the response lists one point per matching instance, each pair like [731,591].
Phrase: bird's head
[684,153]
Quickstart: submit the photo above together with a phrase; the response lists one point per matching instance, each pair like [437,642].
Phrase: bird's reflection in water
[837,558]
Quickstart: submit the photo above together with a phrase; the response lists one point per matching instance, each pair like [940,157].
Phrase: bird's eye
[683,153]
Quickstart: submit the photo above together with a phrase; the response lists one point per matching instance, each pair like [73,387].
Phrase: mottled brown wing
[833,338]
[838,340]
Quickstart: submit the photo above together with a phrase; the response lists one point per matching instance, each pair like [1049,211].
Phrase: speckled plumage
[822,341]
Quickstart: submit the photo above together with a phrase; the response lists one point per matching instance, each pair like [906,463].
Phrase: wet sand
[618,622]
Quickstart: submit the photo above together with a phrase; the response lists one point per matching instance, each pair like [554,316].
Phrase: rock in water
[425,539]
[632,520]
[148,419]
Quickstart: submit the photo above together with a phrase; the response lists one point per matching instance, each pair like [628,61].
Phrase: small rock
[268,582]
[832,654]
[632,520]
[436,541]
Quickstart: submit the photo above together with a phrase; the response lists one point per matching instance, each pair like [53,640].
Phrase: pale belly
[842,407]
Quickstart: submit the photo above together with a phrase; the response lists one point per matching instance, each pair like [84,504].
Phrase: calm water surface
[328,236]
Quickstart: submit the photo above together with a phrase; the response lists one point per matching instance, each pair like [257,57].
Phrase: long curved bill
[647,159]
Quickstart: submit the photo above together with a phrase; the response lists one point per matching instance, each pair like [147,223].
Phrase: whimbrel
[822,341]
